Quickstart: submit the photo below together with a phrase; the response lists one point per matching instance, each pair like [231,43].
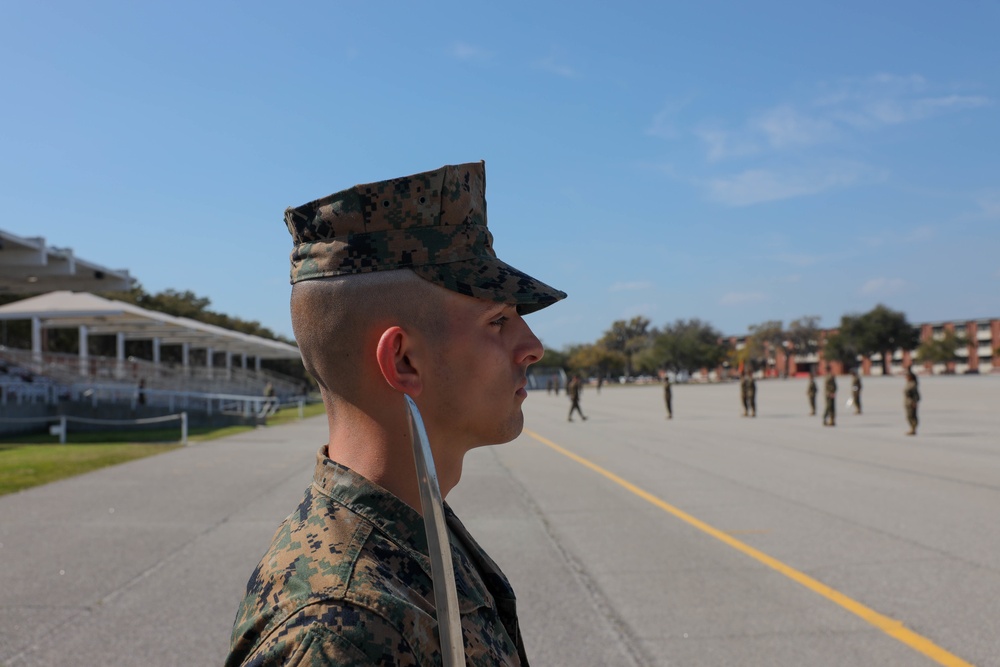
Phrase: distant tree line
[635,347]
[628,347]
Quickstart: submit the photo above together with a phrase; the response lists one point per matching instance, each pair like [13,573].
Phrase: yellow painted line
[890,626]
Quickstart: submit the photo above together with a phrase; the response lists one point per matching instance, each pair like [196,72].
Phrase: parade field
[710,539]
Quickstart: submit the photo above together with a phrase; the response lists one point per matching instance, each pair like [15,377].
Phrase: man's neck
[383,453]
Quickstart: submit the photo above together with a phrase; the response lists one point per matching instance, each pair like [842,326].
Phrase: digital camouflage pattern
[830,386]
[432,223]
[830,394]
[911,396]
[748,393]
[347,581]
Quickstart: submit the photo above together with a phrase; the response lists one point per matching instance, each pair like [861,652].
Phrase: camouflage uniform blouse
[346,581]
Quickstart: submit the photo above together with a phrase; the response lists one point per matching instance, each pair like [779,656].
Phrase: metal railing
[20,393]
[62,368]
[59,424]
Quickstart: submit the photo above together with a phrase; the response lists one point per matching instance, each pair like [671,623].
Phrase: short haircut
[333,319]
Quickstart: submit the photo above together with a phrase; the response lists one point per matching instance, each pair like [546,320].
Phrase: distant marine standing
[811,393]
[911,396]
[573,389]
[856,391]
[748,392]
[668,396]
[830,393]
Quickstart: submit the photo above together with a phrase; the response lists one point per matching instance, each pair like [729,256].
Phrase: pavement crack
[630,643]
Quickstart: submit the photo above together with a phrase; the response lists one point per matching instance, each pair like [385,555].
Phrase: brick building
[981,355]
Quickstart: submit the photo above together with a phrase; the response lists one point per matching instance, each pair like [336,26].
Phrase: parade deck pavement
[145,563]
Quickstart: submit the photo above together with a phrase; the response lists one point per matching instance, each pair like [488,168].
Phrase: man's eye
[499,322]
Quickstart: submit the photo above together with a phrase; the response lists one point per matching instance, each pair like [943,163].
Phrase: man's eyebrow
[492,306]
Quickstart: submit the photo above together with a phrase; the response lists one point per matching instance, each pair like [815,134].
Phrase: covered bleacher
[28,265]
[229,368]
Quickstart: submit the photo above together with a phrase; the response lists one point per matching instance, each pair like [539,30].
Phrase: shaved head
[337,322]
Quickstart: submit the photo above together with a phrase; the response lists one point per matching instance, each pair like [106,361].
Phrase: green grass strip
[32,460]
[290,414]
[24,466]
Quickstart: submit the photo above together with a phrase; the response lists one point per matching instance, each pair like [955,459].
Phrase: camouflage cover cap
[432,223]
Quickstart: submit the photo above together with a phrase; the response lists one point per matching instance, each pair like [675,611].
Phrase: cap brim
[494,280]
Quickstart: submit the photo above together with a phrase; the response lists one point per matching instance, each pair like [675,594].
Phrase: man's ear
[393,358]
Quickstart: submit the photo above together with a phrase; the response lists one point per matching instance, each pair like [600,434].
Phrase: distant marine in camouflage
[433,223]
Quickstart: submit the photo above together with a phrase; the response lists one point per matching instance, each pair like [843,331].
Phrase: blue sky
[736,162]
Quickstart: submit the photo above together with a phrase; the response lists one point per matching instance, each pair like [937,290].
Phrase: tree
[750,355]
[766,337]
[841,347]
[941,350]
[627,338]
[803,337]
[593,358]
[554,358]
[190,305]
[687,345]
[881,330]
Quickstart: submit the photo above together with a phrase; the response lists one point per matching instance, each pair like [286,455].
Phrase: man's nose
[529,349]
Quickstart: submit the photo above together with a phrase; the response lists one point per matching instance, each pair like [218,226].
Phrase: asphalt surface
[709,539]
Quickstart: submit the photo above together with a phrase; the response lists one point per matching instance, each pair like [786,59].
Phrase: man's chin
[509,431]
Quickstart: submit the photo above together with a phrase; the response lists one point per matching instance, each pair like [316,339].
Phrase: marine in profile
[396,291]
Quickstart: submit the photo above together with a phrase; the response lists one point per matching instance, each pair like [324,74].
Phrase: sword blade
[439,548]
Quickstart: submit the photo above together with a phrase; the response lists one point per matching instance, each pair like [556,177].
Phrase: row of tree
[634,346]
[628,347]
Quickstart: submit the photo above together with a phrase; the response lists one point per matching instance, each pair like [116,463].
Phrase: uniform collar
[403,525]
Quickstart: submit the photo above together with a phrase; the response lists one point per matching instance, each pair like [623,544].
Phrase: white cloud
[664,124]
[872,241]
[842,108]
[786,127]
[556,65]
[888,99]
[740,298]
[989,205]
[722,144]
[796,259]
[760,185]
[630,286]
[917,234]
[665,168]
[921,233]
[883,286]
[466,51]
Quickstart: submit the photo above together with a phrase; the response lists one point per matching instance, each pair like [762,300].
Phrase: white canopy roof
[106,317]
[28,265]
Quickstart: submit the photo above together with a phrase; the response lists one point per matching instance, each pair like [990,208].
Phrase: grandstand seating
[52,376]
